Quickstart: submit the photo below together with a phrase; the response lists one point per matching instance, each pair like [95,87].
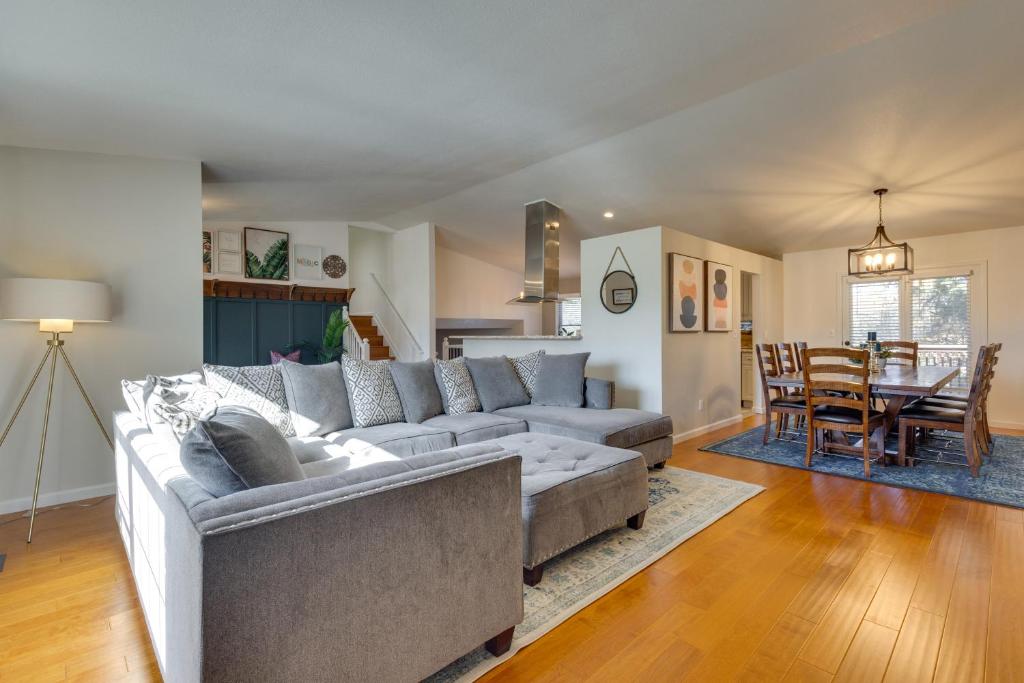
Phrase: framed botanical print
[718,287]
[686,293]
[266,254]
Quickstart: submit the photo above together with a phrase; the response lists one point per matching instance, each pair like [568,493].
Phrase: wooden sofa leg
[499,644]
[636,521]
[531,577]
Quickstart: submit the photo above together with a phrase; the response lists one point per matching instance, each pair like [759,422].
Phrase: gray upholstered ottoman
[571,491]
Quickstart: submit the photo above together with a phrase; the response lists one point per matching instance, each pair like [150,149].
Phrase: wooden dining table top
[900,380]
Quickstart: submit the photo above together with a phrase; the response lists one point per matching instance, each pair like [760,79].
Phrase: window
[569,314]
[941,309]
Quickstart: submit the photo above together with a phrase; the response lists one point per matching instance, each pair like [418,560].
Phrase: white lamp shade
[35,299]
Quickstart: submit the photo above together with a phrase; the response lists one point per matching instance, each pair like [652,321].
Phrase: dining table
[895,384]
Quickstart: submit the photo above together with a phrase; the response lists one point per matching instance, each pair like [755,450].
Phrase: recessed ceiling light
[609,214]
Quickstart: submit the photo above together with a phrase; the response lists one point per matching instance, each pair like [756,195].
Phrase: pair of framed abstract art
[700,295]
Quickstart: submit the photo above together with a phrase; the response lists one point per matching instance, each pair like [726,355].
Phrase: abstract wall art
[719,286]
[686,284]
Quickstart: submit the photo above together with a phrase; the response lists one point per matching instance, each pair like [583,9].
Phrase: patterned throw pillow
[259,387]
[173,405]
[371,392]
[526,367]
[456,384]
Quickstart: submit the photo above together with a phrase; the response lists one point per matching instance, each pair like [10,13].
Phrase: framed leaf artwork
[207,251]
[266,254]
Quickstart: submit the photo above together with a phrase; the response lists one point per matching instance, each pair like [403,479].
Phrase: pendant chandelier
[881,256]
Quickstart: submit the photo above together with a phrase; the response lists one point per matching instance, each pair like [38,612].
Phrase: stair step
[361,319]
[380,353]
[374,339]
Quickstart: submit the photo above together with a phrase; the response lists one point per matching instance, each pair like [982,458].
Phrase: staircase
[368,331]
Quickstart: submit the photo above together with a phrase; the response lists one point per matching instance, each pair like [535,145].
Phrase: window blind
[940,321]
[874,307]
[570,314]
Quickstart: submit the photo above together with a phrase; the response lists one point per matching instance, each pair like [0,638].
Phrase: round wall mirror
[618,291]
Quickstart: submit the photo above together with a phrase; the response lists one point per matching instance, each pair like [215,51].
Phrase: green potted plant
[333,344]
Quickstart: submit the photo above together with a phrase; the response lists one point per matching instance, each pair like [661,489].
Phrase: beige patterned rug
[682,503]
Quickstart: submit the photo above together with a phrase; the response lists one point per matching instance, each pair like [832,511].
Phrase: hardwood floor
[817,578]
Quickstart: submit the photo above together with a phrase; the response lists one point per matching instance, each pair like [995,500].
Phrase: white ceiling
[760,124]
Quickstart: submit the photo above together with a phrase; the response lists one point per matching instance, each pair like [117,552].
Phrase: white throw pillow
[458,394]
[371,392]
[258,387]
[526,367]
[173,405]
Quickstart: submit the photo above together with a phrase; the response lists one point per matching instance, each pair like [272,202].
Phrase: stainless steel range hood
[540,278]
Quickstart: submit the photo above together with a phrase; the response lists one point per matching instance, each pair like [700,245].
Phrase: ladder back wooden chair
[799,351]
[776,401]
[965,420]
[960,400]
[836,392]
[901,352]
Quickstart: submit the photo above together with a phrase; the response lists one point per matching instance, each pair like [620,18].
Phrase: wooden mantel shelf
[262,290]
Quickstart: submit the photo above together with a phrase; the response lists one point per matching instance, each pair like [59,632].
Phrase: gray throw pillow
[417,390]
[497,383]
[317,398]
[234,448]
[457,392]
[259,387]
[560,380]
[371,392]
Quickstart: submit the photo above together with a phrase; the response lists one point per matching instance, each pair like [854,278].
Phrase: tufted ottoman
[571,491]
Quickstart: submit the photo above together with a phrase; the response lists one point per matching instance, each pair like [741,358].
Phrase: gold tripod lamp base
[54,348]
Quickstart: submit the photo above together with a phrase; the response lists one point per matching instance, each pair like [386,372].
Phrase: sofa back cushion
[317,398]
[458,395]
[560,380]
[234,448]
[526,367]
[259,387]
[371,392]
[417,390]
[496,383]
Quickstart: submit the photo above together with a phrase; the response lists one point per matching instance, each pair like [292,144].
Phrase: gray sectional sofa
[402,546]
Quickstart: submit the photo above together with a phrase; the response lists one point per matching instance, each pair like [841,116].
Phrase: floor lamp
[56,305]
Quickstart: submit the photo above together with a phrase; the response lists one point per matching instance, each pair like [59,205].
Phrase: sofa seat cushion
[476,427]
[400,439]
[619,427]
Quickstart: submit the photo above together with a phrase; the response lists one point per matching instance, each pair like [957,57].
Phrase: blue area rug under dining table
[1001,480]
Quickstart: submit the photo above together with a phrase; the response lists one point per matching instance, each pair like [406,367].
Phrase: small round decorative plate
[335,266]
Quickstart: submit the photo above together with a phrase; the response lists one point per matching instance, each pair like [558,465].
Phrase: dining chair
[965,420]
[902,352]
[960,400]
[787,357]
[837,397]
[775,399]
[799,349]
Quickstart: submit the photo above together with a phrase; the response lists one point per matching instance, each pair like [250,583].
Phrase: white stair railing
[450,350]
[357,347]
[402,351]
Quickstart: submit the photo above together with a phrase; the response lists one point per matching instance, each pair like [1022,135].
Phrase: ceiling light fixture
[609,214]
[880,256]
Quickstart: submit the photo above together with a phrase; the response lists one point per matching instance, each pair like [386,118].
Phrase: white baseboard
[676,438]
[56,498]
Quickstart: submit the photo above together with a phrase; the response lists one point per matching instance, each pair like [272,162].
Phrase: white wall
[412,291]
[705,366]
[813,307]
[132,223]
[471,288]
[369,252]
[332,236]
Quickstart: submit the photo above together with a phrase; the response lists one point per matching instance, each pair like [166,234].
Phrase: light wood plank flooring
[817,578]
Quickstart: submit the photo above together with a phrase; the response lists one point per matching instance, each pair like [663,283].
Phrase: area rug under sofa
[682,503]
[1001,480]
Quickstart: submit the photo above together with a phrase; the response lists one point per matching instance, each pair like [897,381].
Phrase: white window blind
[933,308]
[570,316]
[874,307]
[940,321]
